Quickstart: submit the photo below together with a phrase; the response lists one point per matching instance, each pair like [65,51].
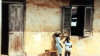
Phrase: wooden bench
[50,52]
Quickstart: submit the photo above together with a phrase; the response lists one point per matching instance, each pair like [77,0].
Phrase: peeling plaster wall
[40,19]
[41,23]
[96,23]
[37,42]
[49,3]
[43,19]
[86,46]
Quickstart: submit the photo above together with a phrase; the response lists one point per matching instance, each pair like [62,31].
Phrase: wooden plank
[66,25]
[88,25]
[16,18]
[15,44]
[16,23]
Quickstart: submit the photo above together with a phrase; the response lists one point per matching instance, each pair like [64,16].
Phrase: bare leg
[66,53]
[60,54]
[69,53]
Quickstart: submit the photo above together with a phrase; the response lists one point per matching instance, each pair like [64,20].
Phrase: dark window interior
[5,37]
[14,0]
[79,29]
[82,2]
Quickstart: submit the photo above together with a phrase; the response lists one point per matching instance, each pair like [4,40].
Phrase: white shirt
[67,46]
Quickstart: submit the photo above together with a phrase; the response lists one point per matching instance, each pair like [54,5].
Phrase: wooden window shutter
[66,19]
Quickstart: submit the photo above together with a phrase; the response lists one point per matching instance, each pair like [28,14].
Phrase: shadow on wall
[53,41]
[83,37]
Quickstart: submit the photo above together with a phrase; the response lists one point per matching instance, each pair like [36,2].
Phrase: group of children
[68,45]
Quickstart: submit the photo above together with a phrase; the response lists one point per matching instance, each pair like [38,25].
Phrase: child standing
[68,46]
[58,44]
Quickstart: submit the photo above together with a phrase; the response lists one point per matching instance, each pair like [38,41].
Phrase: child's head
[67,39]
[57,34]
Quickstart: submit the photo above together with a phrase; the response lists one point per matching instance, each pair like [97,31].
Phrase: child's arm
[61,45]
[64,40]
[70,46]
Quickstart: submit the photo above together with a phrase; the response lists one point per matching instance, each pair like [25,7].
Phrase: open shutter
[66,25]
[88,21]
[16,24]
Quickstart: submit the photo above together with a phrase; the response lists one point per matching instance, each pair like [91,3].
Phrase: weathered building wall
[43,19]
[96,23]
[89,46]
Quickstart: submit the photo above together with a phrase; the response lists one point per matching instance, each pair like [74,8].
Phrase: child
[58,44]
[68,46]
